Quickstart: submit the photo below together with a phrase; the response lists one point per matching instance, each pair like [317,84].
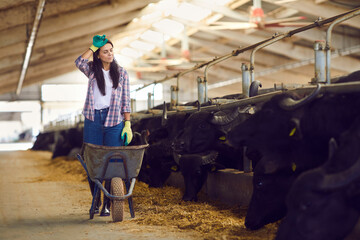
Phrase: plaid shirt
[120,97]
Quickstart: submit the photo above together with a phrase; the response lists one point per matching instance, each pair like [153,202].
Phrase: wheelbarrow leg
[132,213]
[105,211]
[94,203]
[92,186]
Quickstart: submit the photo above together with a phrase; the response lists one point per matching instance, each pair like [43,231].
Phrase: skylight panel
[154,37]
[169,27]
[191,12]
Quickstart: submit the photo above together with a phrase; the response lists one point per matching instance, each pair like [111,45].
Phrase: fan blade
[148,69]
[287,24]
[281,20]
[231,25]
[165,61]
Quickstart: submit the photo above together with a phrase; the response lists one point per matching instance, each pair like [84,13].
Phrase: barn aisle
[32,207]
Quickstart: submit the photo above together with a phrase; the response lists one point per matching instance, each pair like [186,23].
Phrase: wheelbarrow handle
[82,163]
[133,180]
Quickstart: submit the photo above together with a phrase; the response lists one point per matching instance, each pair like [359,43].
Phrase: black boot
[97,206]
[105,211]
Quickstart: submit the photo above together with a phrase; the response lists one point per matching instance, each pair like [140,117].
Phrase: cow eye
[203,126]
[259,184]
[304,206]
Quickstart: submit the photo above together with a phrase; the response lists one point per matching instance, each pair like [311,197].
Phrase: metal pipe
[246,162]
[133,105]
[267,43]
[201,90]
[177,88]
[245,79]
[178,81]
[319,47]
[328,40]
[30,45]
[215,61]
[329,88]
[237,51]
[173,96]
[149,100]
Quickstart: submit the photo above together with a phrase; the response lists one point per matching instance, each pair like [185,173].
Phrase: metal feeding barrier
[329,88]
[246,80]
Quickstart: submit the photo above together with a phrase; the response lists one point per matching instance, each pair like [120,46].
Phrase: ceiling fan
[165,62]
[257,21]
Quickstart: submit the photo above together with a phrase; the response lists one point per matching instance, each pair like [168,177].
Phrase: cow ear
[221,135]
[222,138]
[174,168]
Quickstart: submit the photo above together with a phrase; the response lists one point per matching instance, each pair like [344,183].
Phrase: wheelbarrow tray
[107,162]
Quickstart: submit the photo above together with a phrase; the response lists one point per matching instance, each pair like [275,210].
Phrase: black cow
[201,147]
[324,203]
[268,131]
[66,140]
[44,141]
[291,138]
[158,161]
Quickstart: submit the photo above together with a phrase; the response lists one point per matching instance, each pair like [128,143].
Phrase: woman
[107,104]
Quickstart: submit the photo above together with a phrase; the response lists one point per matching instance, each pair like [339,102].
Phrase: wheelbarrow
[117,164]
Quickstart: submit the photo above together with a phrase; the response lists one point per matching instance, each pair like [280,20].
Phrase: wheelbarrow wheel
[117,206]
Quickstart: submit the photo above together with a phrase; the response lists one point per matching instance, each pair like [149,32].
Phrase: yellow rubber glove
[126,134]
[93,48]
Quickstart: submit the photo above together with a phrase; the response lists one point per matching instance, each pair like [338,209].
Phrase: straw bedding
[164,207]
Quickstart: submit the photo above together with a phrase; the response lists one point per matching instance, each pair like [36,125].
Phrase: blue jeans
[96,133]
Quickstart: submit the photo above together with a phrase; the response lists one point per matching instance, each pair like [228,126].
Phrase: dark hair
[97,68]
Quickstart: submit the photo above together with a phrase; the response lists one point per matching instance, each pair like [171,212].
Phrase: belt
[102,110]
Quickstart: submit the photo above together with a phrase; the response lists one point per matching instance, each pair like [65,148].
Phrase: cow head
[323,203]
[273,177]
[271,182]
[158,159]
[275,124]
[319,206]
[198,135]
[194,169]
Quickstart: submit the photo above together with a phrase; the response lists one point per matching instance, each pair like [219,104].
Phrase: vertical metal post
[246,162]
[319,51]
[149,101]
[206,90]
[41,107]
[215,61]
[133,105]
[245,79]
[201,90]
[174,94]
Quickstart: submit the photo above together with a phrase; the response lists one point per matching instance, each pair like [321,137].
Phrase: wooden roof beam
[322,10]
